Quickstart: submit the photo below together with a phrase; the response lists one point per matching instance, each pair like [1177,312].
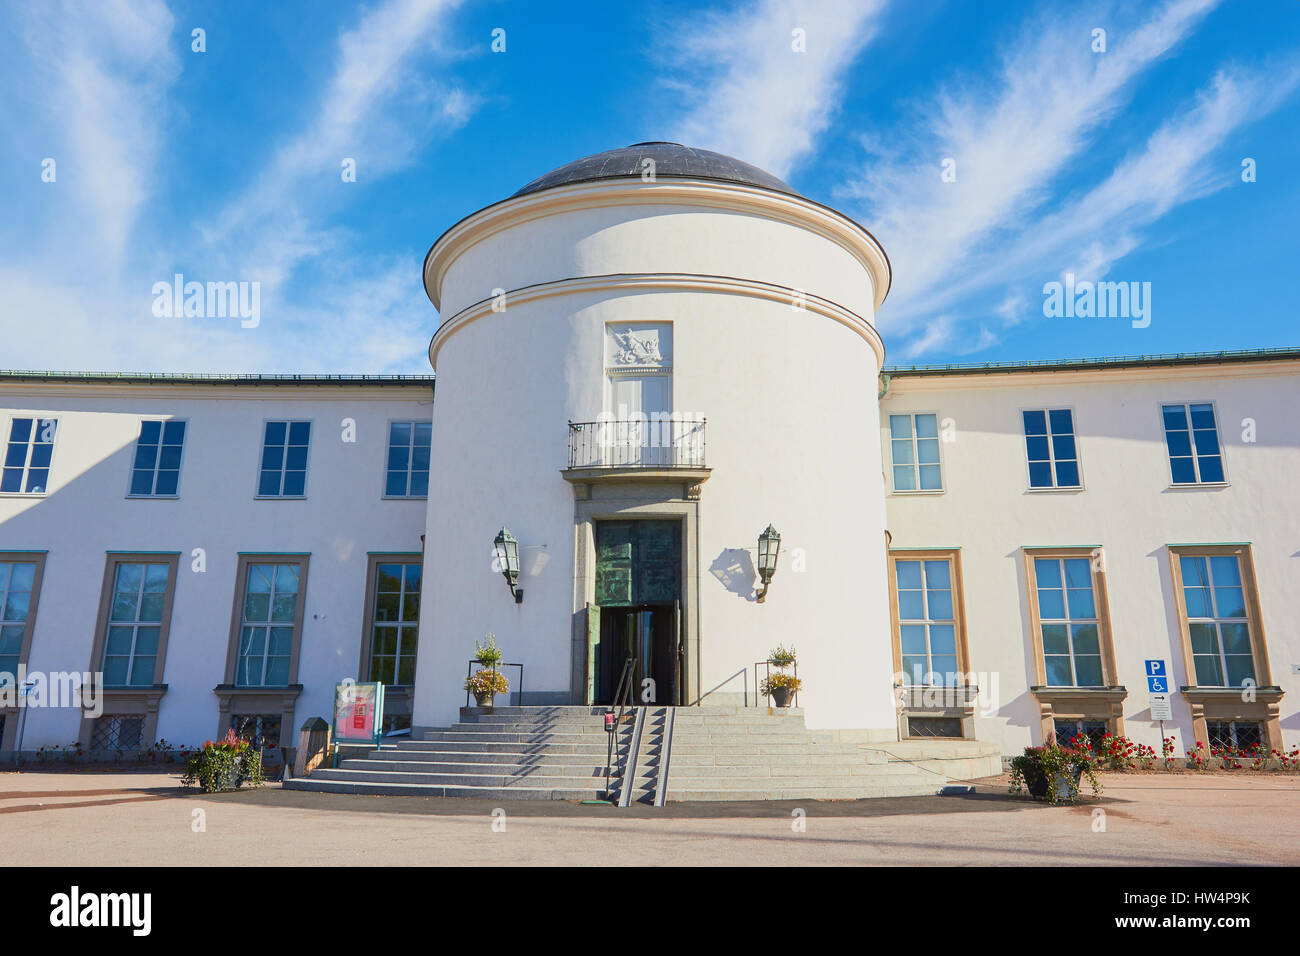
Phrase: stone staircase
[753,753]
[713,752]
[518,753]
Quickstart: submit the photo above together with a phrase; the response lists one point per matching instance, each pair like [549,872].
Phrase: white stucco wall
[785,392]
[1127,507]
[87,514]
[657,238]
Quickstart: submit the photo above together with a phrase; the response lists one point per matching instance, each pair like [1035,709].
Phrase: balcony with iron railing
[640,449]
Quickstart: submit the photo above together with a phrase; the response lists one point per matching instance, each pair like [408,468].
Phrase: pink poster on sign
[355,710]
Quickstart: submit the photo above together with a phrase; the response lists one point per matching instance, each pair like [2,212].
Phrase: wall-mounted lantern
[769,546]
[507,552]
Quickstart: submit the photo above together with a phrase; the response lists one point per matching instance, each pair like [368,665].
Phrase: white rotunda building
[647,357]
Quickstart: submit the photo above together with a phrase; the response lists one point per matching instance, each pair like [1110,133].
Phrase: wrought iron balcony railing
[665,442]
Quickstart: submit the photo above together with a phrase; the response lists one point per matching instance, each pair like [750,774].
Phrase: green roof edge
[1121,361]
[207,378]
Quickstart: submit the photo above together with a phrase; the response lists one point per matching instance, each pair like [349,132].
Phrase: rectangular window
[136,617]
[1236,734]
[284,460]
[118,732]
[933,726]
[260,730]
[267,625]
[17,597]
[408,460]
[1049,443]
[1068,621]
[1193,440]
[1218,625]
[396,626]
[1066,730]
[914,450]
[27,456]
[927,621]
[156,471]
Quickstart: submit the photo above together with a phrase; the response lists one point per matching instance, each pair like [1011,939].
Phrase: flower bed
[1120,755]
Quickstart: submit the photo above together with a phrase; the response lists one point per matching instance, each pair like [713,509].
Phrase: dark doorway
[637,613]
[647,634]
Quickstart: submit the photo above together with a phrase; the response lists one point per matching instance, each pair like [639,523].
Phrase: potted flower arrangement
[485,684]
[1055,773]
[227,764]
[781,687]
[486,651]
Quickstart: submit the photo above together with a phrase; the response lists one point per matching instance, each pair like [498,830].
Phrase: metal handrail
[493,667]
[624,678]
[665,757]
[653,442]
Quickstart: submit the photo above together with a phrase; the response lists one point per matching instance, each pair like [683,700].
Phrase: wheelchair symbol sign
[1158,685]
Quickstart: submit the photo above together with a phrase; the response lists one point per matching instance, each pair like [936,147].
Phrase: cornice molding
[725,285]
[780,207]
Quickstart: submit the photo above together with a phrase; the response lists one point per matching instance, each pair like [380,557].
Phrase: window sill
[153,497]
[1115,692]
[403,497]
[921,491]
[1268,694]
[1072,490]
[279,497]
[1199,486]
[24,494]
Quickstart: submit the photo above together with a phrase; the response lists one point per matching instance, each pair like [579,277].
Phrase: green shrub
[487,652]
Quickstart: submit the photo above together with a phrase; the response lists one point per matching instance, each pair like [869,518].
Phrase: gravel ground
[135,818]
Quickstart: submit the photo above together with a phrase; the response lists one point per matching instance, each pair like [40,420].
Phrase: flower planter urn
[782,696]
[485,700]
[1067,784]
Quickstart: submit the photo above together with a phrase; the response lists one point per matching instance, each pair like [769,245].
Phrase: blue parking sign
[1156,669]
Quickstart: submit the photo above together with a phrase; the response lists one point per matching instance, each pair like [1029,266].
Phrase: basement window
[934,727]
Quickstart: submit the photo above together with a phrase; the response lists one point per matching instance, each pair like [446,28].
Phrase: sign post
[1159,689]
[358,715]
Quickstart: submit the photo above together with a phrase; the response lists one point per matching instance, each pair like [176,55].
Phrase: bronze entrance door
[637,611]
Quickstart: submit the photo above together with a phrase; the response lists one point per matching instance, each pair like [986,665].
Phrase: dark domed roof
[670,160]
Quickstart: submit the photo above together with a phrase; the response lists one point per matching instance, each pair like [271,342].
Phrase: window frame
[388,445]
[953,557]
[54,450]
[113,560]
[246,560]
[1096,558]
[375,559]
[29,629]
[1250,592]
[1218,436]
[888,438]
[1054,488]
[261,451]
[180,474]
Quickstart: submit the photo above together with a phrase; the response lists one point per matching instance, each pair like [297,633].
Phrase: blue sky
[225,165]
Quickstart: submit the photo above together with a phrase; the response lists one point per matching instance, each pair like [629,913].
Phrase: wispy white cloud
[1011,137]
[103,70]
[1172,168]
[749,92]
[368,114]
[101,96]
